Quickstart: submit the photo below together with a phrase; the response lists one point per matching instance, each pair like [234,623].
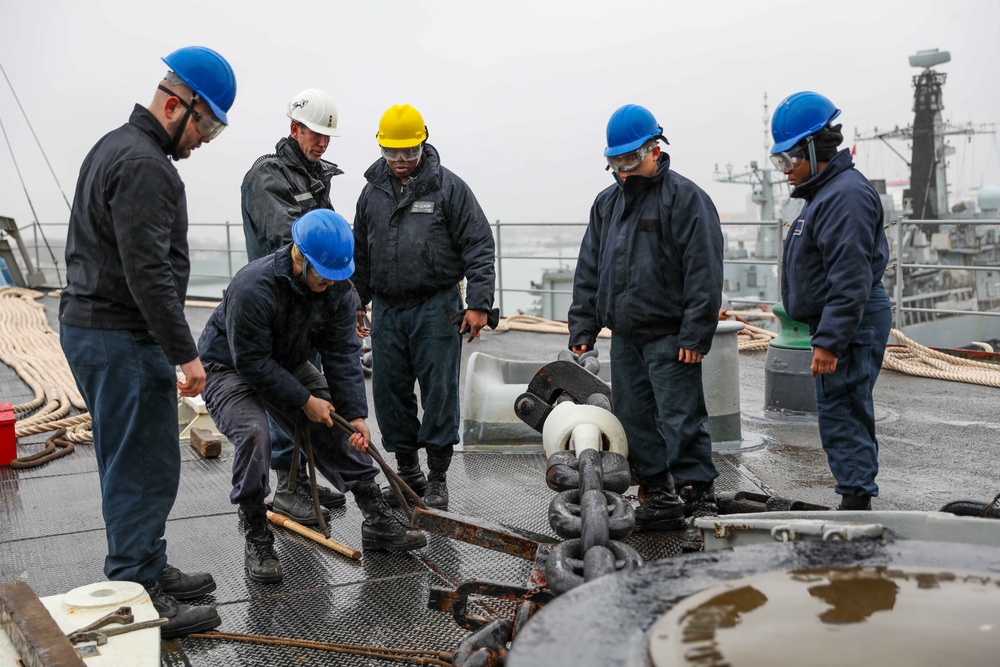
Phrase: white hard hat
[314,109]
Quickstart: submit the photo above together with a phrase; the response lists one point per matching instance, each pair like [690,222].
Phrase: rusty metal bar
[36,637]
[456,602]
[481,532]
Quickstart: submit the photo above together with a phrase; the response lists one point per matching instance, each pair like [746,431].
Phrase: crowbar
[483,533]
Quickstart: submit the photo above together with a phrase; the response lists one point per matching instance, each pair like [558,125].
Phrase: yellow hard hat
[401,126]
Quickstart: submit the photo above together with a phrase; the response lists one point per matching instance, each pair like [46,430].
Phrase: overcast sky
[516,94]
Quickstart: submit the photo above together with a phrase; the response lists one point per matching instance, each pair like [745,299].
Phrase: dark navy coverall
[650,269]
[413,245]
[831,279]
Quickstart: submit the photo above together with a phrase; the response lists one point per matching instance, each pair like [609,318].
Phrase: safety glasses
[208,125]
[788,160]
[404,154]
[630,161]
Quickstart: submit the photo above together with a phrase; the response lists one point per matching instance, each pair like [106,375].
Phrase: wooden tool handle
[296,527]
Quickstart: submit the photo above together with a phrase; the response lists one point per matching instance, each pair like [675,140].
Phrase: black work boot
[182,619]
[438,462]
[659,507]
[297,505]
[181,586]
[259,559]
[699,501]
[408,467]
[328,498]
[855,503]
[381,531]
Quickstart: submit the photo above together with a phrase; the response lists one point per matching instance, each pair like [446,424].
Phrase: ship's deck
[939,442]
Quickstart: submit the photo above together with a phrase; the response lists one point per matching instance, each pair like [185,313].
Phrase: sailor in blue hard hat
[200,86]
[633,134]
[831,280]
[803,135]
[326,244]
[123,328]
[650,269]
[278,312]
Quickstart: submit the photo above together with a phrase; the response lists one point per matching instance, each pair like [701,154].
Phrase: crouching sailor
[256,348]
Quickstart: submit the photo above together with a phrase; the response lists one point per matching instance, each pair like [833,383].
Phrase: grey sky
[516,94]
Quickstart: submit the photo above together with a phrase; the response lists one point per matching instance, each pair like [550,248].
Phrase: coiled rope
[916,359]
[31,348]
[751,337]
[911,358]
[539,325]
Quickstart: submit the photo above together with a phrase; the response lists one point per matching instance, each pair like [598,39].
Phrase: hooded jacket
[127,264]
[650,263]
[834,254]
[278,190]
[269,323]
[436,233]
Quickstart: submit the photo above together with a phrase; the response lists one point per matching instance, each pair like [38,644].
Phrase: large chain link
[592,516]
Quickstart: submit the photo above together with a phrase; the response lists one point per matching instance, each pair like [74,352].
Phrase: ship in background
[945,264]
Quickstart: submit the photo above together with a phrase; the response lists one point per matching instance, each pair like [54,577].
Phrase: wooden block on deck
[207,444]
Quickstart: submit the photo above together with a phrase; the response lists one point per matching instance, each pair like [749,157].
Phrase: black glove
[492,318]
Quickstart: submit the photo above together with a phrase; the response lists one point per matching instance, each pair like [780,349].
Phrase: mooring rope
[750,337]
[31,348]
[912,358]
[539,325]
[916,359]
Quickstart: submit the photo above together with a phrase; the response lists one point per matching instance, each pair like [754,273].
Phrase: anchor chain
[589,511]
[592,516]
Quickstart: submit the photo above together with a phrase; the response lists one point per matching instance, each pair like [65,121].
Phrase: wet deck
[939,443]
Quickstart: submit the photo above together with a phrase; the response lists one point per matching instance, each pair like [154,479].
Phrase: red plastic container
[8,441]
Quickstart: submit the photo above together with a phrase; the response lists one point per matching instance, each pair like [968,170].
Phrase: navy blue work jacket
[650,263]
[127,264]
[435,234]
[269,323]
[835,253]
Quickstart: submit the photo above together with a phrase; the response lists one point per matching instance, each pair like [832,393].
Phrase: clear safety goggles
[788,160]
[404,154]
[208,125]
[630,161]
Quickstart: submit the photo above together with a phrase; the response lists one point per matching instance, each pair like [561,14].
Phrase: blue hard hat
[207,74]
[629,128]
[799,116]
[326,240]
